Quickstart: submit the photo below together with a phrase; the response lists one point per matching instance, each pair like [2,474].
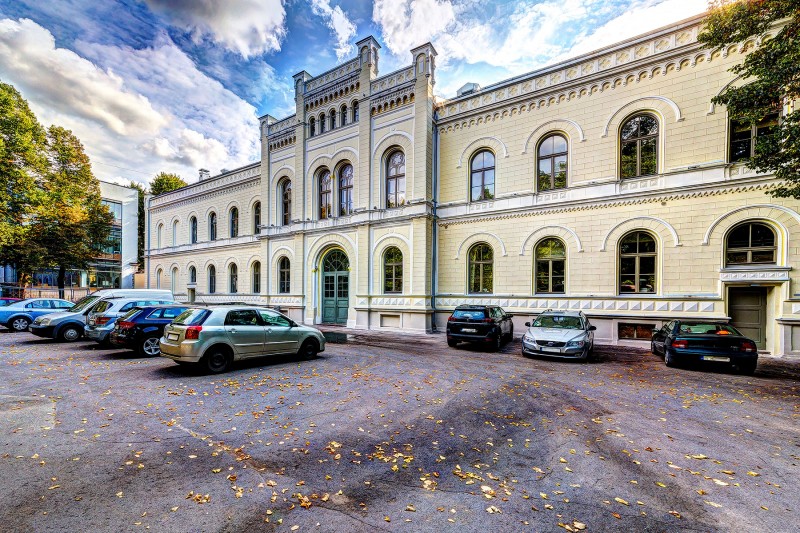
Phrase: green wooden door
[335,288]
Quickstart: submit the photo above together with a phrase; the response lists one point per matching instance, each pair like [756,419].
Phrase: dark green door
[335,287]
[748,310]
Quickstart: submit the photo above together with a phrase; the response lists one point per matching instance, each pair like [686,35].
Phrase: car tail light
[451,319]
[102,320]
[488,319]
[680,344]
[193,332]
[748,346]
[124,324]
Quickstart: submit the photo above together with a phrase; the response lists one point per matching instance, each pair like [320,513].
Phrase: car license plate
[468,330]
[551,350]
[716,358]
[172,336]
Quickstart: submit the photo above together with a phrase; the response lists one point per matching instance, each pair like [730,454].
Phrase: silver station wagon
[214,337]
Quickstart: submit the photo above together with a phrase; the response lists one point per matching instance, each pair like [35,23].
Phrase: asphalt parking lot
[393,433]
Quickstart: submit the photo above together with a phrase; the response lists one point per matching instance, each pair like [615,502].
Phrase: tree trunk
[61,275]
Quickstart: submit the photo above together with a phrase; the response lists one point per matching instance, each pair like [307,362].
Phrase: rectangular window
[635,331]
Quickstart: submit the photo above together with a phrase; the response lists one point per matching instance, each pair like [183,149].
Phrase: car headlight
[43,321]
[528,338]
[576,343]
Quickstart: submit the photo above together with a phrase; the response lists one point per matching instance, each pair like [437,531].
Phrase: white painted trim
[389,236]
[478,140]
[664,223]
[499,240]
[278,174]
[710,230]
[712,107]
[390,134]
[664,99]
[278,249]
[354,151]
[581,136]
[545,229]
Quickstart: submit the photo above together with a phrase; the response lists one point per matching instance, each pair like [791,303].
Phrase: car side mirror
[528,324]
[592,328]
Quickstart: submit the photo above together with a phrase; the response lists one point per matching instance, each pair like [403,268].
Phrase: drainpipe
[147,238]
[435,229]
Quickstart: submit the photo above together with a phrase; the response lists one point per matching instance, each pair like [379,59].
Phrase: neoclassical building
[608,183]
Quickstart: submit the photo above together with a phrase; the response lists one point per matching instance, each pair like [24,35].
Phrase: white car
[563,334]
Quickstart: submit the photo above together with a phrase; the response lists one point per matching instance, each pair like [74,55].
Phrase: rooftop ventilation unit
[468,88]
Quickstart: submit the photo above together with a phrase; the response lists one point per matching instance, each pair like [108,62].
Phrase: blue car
[19,315]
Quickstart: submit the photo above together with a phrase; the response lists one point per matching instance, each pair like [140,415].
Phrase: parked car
[141,328]
[101,318]
[17,316]
[4,301]
[562,334]
[486,324]
[68,326]
[216,336]
[703,341]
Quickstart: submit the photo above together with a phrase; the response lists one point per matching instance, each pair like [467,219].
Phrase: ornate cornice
[234,176]
[393,99]
[288,123]
[332,75]
[328,95]
[393,79]
[221,190]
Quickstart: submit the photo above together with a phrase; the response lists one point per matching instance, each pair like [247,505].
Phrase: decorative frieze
[398,77]
[594,306]
[222,189]
[393,100]
[288,123]
[751,275]
[333,74]
[217,182]
[328,95]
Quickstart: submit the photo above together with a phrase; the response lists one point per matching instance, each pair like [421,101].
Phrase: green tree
[71,226]
[165,182]
[22,164]
[140,226]
[770,79]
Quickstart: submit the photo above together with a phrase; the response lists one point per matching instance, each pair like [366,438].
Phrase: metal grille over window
[552,159]
[550,266]
[346,190]
[393,271]
[396,180]
[325,194]
[482,176]
[752,243]
[637,263]
[639,146]
[481,268]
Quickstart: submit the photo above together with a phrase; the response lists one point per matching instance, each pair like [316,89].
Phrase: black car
[142,328]
[703,341]
[487,324]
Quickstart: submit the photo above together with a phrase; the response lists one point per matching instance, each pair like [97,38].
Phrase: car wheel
[69,334]
[216,360]
[653,348]
[19,324]
[668,359]
[510,333]
[497,343]
[150,347]
[452,343]
[308,350]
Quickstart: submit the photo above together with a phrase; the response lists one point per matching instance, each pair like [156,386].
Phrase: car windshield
[468,313]
[130,314]
[701,328]
[83,304]
[4,303]
[191,317]
[556,321]
[102,306]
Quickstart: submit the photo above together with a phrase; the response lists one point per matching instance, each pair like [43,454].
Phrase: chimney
[204,174]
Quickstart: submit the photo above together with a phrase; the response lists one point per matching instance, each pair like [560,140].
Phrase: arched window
[481,268]
[256,217]
[751,243]
[284,275]
[552,163]
[639,146]
[255,277]
[355,111]
[343,115]
[159,273]
[159,233]
[174,281]
[233,222]
[745,135]
[345,190]
[550,264]
[175,233]
[285,190]
[396,180]
[233,278]
[193,230]
[325,194]
[192,274]
[482,176]
[212,226]
[312,127]
[322,123]
[637,263]
[212,279]
[393,271]
[332,116]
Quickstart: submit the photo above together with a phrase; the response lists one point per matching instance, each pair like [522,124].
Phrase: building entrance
[747,307]
[335,287]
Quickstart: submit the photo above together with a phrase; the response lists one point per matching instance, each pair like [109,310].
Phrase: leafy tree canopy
[769,79]
[165,182]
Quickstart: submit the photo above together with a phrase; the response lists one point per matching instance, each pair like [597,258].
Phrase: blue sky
[176,85]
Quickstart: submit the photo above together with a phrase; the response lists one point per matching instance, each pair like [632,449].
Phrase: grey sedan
[563,334]
[216,336]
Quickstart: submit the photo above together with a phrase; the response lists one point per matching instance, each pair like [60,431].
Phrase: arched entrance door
[335,287]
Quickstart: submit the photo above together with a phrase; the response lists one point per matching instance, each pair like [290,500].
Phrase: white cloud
[249,27]
[155,111]
[406,24]
[337,20]
[66,83]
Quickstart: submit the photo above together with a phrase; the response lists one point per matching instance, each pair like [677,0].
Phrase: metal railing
[70,293]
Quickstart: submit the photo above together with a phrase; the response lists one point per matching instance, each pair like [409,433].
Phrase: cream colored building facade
[608,183]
